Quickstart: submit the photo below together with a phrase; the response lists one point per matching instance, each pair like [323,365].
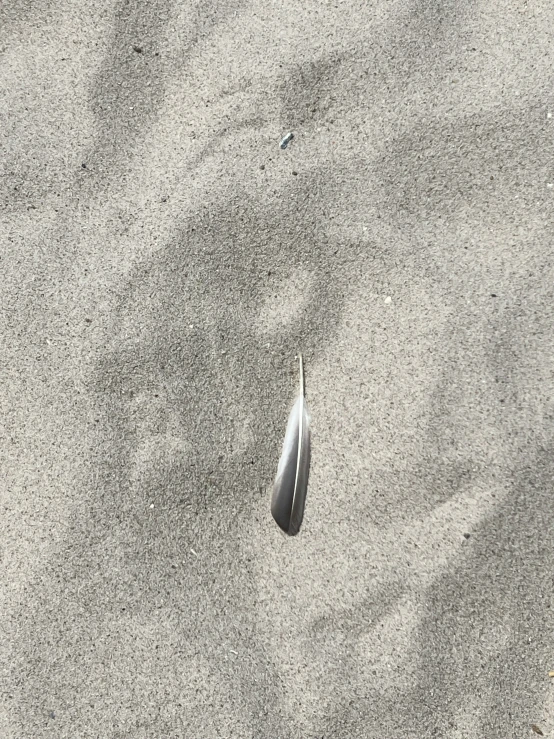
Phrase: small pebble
[466,536]
[285,141]
[388,300]
[294,173]
[138,49]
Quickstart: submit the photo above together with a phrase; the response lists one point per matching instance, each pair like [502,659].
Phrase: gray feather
[291,482]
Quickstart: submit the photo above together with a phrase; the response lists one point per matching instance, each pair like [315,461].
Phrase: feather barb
[291,483]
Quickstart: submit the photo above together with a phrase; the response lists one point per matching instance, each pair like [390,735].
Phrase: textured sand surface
[162,261]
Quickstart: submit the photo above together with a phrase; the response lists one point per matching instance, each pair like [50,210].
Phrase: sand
[162,263]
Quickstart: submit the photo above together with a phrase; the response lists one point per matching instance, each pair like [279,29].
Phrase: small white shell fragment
[388,300]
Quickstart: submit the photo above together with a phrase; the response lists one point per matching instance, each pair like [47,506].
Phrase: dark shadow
[439,168]
[129,87]
[492,609]
[121,556]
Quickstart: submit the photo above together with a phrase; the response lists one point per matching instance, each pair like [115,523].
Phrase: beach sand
[163,262]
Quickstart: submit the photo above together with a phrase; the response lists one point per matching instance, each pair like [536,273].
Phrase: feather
[291,482]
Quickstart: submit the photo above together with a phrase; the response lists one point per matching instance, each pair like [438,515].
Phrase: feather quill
[291,483]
